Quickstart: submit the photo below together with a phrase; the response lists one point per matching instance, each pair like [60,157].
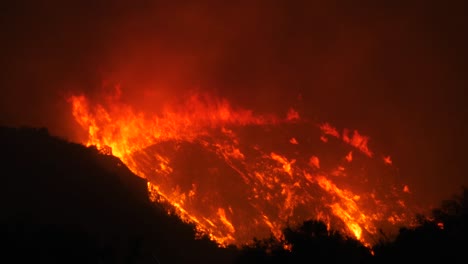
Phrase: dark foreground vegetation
[61,202]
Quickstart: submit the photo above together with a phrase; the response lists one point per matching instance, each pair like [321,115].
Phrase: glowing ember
[349,157]
[406,189]
[293,141]
[388,160]
[235,174]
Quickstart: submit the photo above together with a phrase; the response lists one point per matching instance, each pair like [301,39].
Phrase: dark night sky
[394,71]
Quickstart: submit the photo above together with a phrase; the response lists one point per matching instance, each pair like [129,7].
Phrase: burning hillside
[238,175]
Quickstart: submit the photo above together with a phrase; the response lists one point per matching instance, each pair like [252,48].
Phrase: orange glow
[232,174]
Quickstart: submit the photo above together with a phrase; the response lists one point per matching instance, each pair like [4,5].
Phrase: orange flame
[228,171]
[356,140]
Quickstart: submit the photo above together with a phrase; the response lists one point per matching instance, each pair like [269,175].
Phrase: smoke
[395,71]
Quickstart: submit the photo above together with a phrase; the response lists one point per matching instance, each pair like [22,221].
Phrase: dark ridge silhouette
[308,242]
[62,202]
[443,236]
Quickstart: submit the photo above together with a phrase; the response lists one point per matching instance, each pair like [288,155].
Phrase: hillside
[61,202]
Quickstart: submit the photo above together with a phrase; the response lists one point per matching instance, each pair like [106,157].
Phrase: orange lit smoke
[238,175]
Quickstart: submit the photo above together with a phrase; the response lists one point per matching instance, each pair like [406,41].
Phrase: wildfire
[235,175]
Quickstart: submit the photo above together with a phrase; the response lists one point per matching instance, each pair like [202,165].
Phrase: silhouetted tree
[310,242]
[268,250]
[442,236]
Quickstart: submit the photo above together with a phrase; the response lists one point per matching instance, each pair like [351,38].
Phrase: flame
[232,174]
[347,208]
[286,165]
[356,140]
[327,129]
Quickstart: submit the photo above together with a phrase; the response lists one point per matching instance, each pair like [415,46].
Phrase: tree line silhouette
[61,202]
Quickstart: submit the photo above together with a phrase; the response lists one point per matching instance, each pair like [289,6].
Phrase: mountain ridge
[64,202]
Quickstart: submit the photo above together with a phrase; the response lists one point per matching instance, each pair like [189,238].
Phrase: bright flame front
[238,175]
